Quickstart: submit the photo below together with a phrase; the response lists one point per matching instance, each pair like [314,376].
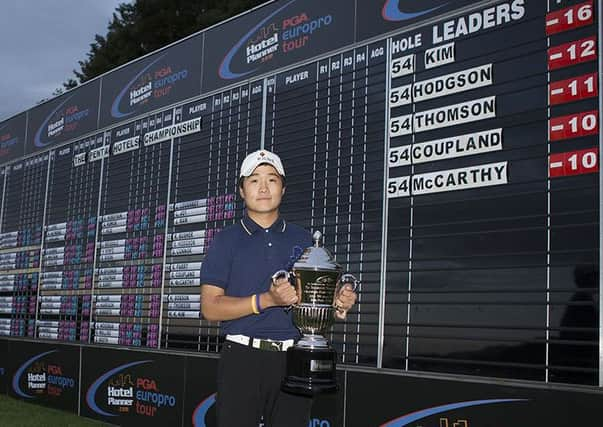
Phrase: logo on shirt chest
[296,252]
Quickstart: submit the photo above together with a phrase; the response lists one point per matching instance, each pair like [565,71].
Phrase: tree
[143,26]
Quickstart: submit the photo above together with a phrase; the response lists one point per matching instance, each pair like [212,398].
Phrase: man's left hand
[344,300]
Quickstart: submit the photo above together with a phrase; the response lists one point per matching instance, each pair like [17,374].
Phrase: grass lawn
[14,412]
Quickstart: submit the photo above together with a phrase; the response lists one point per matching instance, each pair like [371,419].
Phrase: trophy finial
[316,237]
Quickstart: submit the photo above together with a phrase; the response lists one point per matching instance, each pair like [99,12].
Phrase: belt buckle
[271,345]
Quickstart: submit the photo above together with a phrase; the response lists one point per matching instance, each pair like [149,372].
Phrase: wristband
[254,309]
[257,303]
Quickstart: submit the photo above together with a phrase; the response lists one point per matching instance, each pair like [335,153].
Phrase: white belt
[259,343]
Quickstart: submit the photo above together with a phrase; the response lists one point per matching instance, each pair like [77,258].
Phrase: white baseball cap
[261,157]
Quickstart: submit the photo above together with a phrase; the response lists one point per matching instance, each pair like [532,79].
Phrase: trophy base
[310,371]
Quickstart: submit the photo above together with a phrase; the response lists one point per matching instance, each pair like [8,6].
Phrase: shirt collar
[250,226]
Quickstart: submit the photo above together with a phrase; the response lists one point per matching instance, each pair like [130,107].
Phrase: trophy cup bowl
[311,361]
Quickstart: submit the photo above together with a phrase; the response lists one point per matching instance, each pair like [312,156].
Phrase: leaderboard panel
[203,200]
[20,243]
[492,182]
[326,120]
[130,248]
[69,243]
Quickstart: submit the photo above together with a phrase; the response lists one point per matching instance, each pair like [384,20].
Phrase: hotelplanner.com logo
[60,121]
[119,391]
[395,10]
[272,37]
[152,82]
[35,380]
[39,377]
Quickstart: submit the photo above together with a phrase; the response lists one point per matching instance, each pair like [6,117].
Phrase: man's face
[262,190]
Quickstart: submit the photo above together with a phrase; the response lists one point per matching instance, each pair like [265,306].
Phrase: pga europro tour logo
[36,377]
[121,392]
[395,10]
[153,82]
[278,34]
[64,119]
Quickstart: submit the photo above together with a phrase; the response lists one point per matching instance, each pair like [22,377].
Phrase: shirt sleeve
[215,268]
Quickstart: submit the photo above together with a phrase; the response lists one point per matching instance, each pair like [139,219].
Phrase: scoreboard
[450,157]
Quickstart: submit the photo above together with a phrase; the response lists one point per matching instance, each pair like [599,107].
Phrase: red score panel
[574,125]
[572,53]
[574,163]
[573,89]
[569,18]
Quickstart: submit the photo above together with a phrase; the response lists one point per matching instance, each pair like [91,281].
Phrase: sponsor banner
[274,36]
[160,79]
[132,388]
[12,138]
[66,117]
[455,403]
[44,374]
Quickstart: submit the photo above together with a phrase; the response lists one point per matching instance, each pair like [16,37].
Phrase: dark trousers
[249,383]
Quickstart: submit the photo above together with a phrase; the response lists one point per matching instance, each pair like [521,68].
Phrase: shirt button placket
[268,246]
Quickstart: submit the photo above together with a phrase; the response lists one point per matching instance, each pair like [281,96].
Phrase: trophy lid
[317,257]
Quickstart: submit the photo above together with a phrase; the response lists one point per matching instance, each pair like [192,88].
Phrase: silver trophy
[317,280]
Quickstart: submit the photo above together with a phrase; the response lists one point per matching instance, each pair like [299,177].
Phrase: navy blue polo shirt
[241,260]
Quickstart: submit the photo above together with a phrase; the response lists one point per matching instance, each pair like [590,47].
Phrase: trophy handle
[348,278]
[343,280]
[280,274]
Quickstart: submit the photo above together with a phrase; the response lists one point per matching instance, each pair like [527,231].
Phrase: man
[238,290]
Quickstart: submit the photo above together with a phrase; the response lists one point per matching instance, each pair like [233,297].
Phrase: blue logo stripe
[91,394]
[224,71]
[115,106]
[37,141]
[414,416]
[391,12]
[17,376]
[201,410]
